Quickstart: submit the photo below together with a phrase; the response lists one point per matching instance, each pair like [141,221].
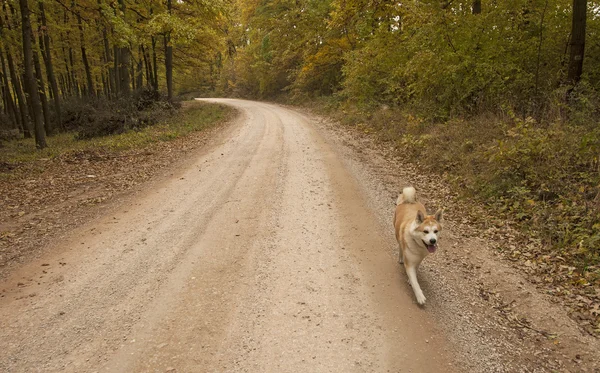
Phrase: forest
[500,98]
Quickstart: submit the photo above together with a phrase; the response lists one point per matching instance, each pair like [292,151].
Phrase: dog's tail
[408,195]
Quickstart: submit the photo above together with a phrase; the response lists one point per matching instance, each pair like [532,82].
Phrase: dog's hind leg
[400,255]
[411,271]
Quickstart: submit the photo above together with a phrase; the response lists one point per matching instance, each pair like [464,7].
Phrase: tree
[577,44]
[44,41]
[30,81]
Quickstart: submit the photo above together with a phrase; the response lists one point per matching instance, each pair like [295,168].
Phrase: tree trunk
[577,45]
[68,83]
[169,59]
[75,84]
[108,62]
[30,82]
[27,130]
[124,62]
[147,68]
[11,110]
[41,86]
[116,70]
[169,66]
[124,77]
[14,78]
[154,65]
[476,6]
[91,91]
[63,86]
[47,55]
[134,86]
[139,74]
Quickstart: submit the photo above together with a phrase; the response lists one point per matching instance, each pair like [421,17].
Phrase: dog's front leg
[411,271]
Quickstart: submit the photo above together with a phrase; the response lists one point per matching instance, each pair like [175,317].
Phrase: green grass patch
[195,116]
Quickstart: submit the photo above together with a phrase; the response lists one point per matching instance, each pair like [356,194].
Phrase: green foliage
[480,98]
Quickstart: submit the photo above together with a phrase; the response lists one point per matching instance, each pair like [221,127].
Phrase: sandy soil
[271,250]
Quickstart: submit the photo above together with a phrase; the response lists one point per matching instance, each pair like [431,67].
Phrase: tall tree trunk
[11,110]
[169,65]
[134,86]
[108,62]
[147,68]
[63,86]
[476,6]
[139,74]
[14,78]
[110,78]
[68,83]
[47,54]
[91,91]
[116,69]
[13,113]
[74,82]
[124,76]
[30,82]
[42,91]
[124,61]
[169,59]
[577,45]
[154,65]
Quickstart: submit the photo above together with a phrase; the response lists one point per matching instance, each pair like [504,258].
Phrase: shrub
[101,117]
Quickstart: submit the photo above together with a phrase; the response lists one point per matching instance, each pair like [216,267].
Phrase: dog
[417,234]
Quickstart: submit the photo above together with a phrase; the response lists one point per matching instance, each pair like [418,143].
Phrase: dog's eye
[426,232]
[435,231]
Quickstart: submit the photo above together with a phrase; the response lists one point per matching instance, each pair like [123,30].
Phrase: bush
[101,117]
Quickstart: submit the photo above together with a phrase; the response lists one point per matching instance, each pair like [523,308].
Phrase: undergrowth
[543,176]
[194,116]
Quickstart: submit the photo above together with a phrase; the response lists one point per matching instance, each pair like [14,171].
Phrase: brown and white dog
[417,234]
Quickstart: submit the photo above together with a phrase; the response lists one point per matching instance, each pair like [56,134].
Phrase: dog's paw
[420,299]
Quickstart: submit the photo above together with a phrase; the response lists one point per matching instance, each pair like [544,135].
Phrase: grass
[195,116]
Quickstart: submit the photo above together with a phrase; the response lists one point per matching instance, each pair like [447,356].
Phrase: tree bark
[14,78]
[577,45]
[169,66]
[116,69]
[11,109]
[91,91]
[139,73]
[108,62]
[68,91]
[30,81]
[124,62]
[154,65]
[148,68]
[134,86]
[42,91]
[27,130]
[124,76]
[47,55]
[169,59]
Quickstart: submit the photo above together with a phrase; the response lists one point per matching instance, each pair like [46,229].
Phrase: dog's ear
[420,217]
[438,215]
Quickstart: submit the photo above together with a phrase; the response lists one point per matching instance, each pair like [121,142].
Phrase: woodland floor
[296,175]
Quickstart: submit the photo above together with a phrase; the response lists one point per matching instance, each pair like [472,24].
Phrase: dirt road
[258,255]
[262,253]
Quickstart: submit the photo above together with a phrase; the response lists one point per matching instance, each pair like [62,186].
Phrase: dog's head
[428,228]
